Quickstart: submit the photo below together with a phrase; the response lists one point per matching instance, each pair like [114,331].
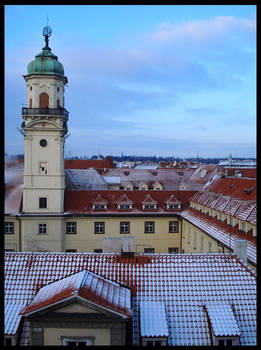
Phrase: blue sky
[172,80]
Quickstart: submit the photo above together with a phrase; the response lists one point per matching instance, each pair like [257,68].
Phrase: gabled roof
[172,200]
[124,199]
[87,286]
[149,200]
[99,200]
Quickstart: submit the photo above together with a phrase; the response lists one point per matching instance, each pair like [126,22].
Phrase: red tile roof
[220,231]
[79,201]
[87,285]
[87,163]
[238,189]
[183,282]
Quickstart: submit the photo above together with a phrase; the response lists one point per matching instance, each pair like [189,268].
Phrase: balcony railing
[45,111]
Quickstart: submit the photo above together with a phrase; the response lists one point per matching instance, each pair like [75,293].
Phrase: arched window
[44,100]
[30,103]
[58,103]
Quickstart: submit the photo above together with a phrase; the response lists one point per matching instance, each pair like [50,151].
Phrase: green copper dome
[45,63]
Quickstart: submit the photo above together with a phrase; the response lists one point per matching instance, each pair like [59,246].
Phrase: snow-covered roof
[85,179]
[219,231]
[222,319]
[183,282]
[88,286]
[153,319]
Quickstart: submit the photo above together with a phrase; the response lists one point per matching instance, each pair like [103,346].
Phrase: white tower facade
[45,126]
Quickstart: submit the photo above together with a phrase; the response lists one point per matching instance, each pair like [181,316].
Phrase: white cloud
[203,30]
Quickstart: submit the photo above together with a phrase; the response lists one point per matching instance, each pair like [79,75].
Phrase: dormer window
[173,206]
[220,216]
[149,206]
[99,203]
[143,187]
[100,207]
[124,203]
[124,206]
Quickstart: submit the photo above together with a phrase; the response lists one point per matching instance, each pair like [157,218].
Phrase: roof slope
[183,282]
[88,286]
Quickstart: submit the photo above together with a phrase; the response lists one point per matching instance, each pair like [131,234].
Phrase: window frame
[175,223]
[175,250]
[125,224]
[147,224]
[71,224]
[149,250]
[42,227]
[12,231]
[42,202]
[96,225]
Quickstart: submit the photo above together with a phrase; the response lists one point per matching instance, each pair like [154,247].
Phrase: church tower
[45,127]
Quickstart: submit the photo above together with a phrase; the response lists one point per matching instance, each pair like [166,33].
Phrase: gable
[76,307]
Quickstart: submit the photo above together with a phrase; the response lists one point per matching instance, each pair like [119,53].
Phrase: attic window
[124,206]
[173,206]
[149,206]
[99,207]
[126,173]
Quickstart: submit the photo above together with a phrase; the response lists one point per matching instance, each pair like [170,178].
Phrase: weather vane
[47,31]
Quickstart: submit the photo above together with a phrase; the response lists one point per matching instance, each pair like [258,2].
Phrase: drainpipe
[19,234]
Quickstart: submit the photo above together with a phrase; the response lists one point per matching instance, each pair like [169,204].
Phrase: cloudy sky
[175,80]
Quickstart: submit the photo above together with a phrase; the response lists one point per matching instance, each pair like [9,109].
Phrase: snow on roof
[219,232]
[222,319]
[153,319]
[85,179]
[13,198]
[87,285]
[183,282]
[112,179]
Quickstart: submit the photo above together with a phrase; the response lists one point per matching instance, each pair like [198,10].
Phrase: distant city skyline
[172,80]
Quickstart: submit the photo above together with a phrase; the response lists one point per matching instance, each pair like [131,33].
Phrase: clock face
[43,143]
[47,31]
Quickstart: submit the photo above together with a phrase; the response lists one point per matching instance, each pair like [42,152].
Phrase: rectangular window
[173,226]
[42,229]
[243,226]
[99,227]
[173,206]
[149,250]
[149,206]
[210,247]
[42,202]
[124,206]
[99,206]
[202,244]
[43,168]
[71,228]
[173,250]
[149,227]
[97,250]
[124,227]
[71,250]
[9,227]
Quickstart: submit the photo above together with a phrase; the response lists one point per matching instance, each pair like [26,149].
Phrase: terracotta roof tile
[183,282]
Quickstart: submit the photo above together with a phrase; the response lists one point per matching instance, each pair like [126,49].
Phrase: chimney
[240,249]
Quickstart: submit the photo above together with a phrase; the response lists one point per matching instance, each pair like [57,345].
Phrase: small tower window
[43,168]
[58,103]
[42,202]
[44,100]
[30,103]
[58,88]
